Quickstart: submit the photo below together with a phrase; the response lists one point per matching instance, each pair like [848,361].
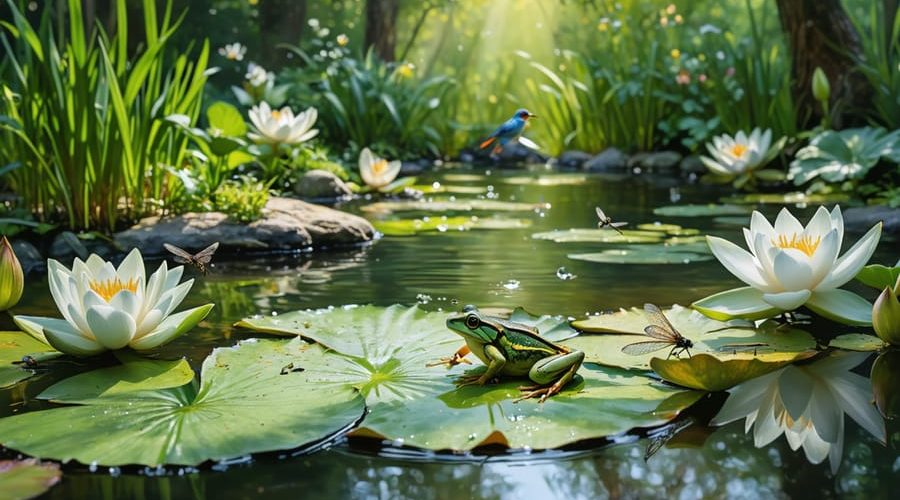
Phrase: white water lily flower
[257,76]
[789,266]
[233,51]
[742,153]
[281,126]
[108,308]
[377,172]
[806,403]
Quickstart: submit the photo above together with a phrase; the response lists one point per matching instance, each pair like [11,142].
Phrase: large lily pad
[140,375]
[547,180]
[20,479]
[741,349]
[437,187]
[13,347]
[857,342]
[701,210]
[591,235]
[384,353]
[411,227]
[795,198]
[249,400]
[452,206]
[648,254]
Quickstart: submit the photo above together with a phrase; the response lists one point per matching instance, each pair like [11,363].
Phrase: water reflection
[806,403]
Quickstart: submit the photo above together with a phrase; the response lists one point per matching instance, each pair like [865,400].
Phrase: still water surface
[445,270]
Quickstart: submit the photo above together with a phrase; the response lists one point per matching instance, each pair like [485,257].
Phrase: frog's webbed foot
[541,391]
[476,379]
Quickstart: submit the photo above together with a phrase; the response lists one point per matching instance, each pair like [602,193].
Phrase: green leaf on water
[647,254]
[659,227]
[591,235]
[857,342]
[13,347]
[384,352]
[710,209]
[795,198]
[448,188]
[441,224]
[140,375]
[20,479]
[878,276]
[546,180]
[452,206]
[257,396]
[717,373]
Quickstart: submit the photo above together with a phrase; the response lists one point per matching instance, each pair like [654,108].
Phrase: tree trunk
[381,27]
[820,34]
[280,21]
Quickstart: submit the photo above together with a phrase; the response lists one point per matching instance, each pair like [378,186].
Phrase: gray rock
[611,159]
[514,152]
[320,184]
[29,257]
[661,160]
[861,219]
[573,159]
[66,246]
[288,224]
[692,165]
[414,167]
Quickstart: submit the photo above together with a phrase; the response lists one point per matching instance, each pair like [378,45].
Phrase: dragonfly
[606,221]
[200,260]
[665,334]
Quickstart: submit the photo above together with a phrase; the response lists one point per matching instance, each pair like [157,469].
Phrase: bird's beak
[531,116]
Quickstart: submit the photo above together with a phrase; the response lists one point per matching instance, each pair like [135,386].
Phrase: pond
[444,269]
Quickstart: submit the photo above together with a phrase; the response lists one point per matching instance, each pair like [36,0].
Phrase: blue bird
[511,129]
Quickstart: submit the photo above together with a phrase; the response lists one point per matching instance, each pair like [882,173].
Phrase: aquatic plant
[12,280]
[110,308]
[377,172]
[740,157]
[789,266]
[86,120]
[281,126]
[806,403]
[886,314]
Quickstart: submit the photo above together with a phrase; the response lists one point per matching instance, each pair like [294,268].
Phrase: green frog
[512,349]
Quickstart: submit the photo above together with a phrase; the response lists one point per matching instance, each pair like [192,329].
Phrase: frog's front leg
[458,357]
[552,374]
[497,361]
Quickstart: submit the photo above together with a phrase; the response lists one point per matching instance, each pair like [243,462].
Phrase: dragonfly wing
[600,214]
[206,254]
[661,333]
[619,224]
[181,255]
[658,318]
[639,348]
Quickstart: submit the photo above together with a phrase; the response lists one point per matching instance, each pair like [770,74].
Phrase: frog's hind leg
[549,371]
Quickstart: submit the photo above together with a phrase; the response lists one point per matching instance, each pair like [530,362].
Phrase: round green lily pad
[736,340]
[857,342]
[13,347]
[139,375]
[385,353]
[732,220]
[650,254]
[464,177]
[254,397]
[659,227]
[547,180]
[592,235]
[701,210]
[720,372]
[448,188]
[442,224]
[21,479]
[452,206]
[795,198]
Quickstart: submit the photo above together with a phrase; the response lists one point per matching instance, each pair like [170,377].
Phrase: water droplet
[564,274]
[423,298]
[511,284]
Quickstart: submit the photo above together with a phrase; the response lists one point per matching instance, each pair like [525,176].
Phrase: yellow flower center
[379,167]
[806,244]
[109,288]
[276,114]
[738,150]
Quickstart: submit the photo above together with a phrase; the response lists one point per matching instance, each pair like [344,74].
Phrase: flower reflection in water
[807,404]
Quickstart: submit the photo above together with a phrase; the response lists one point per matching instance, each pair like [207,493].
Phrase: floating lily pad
[13,347]
[464,177]
[591,235]
[20,479]
[737,340]
[699,241]
[857,342]
[659,227]
[142,375]
[547,180]
[685,232]
[732,220]
[717,373]
[786,198]
[554,328]
[701,210]
[452,206]
[878,276]
[646,254]
[384,353]
[411,227]
[252,398]
[448,188]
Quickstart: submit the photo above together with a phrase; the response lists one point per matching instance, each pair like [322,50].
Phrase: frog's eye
[472,321]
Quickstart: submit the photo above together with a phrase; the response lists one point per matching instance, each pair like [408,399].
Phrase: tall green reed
[85,120]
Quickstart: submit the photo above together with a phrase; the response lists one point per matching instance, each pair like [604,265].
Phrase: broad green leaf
[857,342]
[448,206]
[13,347]
[659,227]
[142,375]
[648,254]
[226,119]
[795,198]
[701,210]
[849,154]
[465,177]
[257,396]
[411,227]
[21,479]
[547,180]
[592,235]
[726,341]
[448,188]
[717,373]
[878,276]
[385,352]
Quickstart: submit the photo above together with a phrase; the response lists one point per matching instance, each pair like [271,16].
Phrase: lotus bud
[886,315]
[12,280]
[820,86]
[885,377]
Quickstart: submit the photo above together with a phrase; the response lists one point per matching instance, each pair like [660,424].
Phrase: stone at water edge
[611,159]
[287,224]
[573,159]
[321,184]
[29,257]
[660,160]
[692,165]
